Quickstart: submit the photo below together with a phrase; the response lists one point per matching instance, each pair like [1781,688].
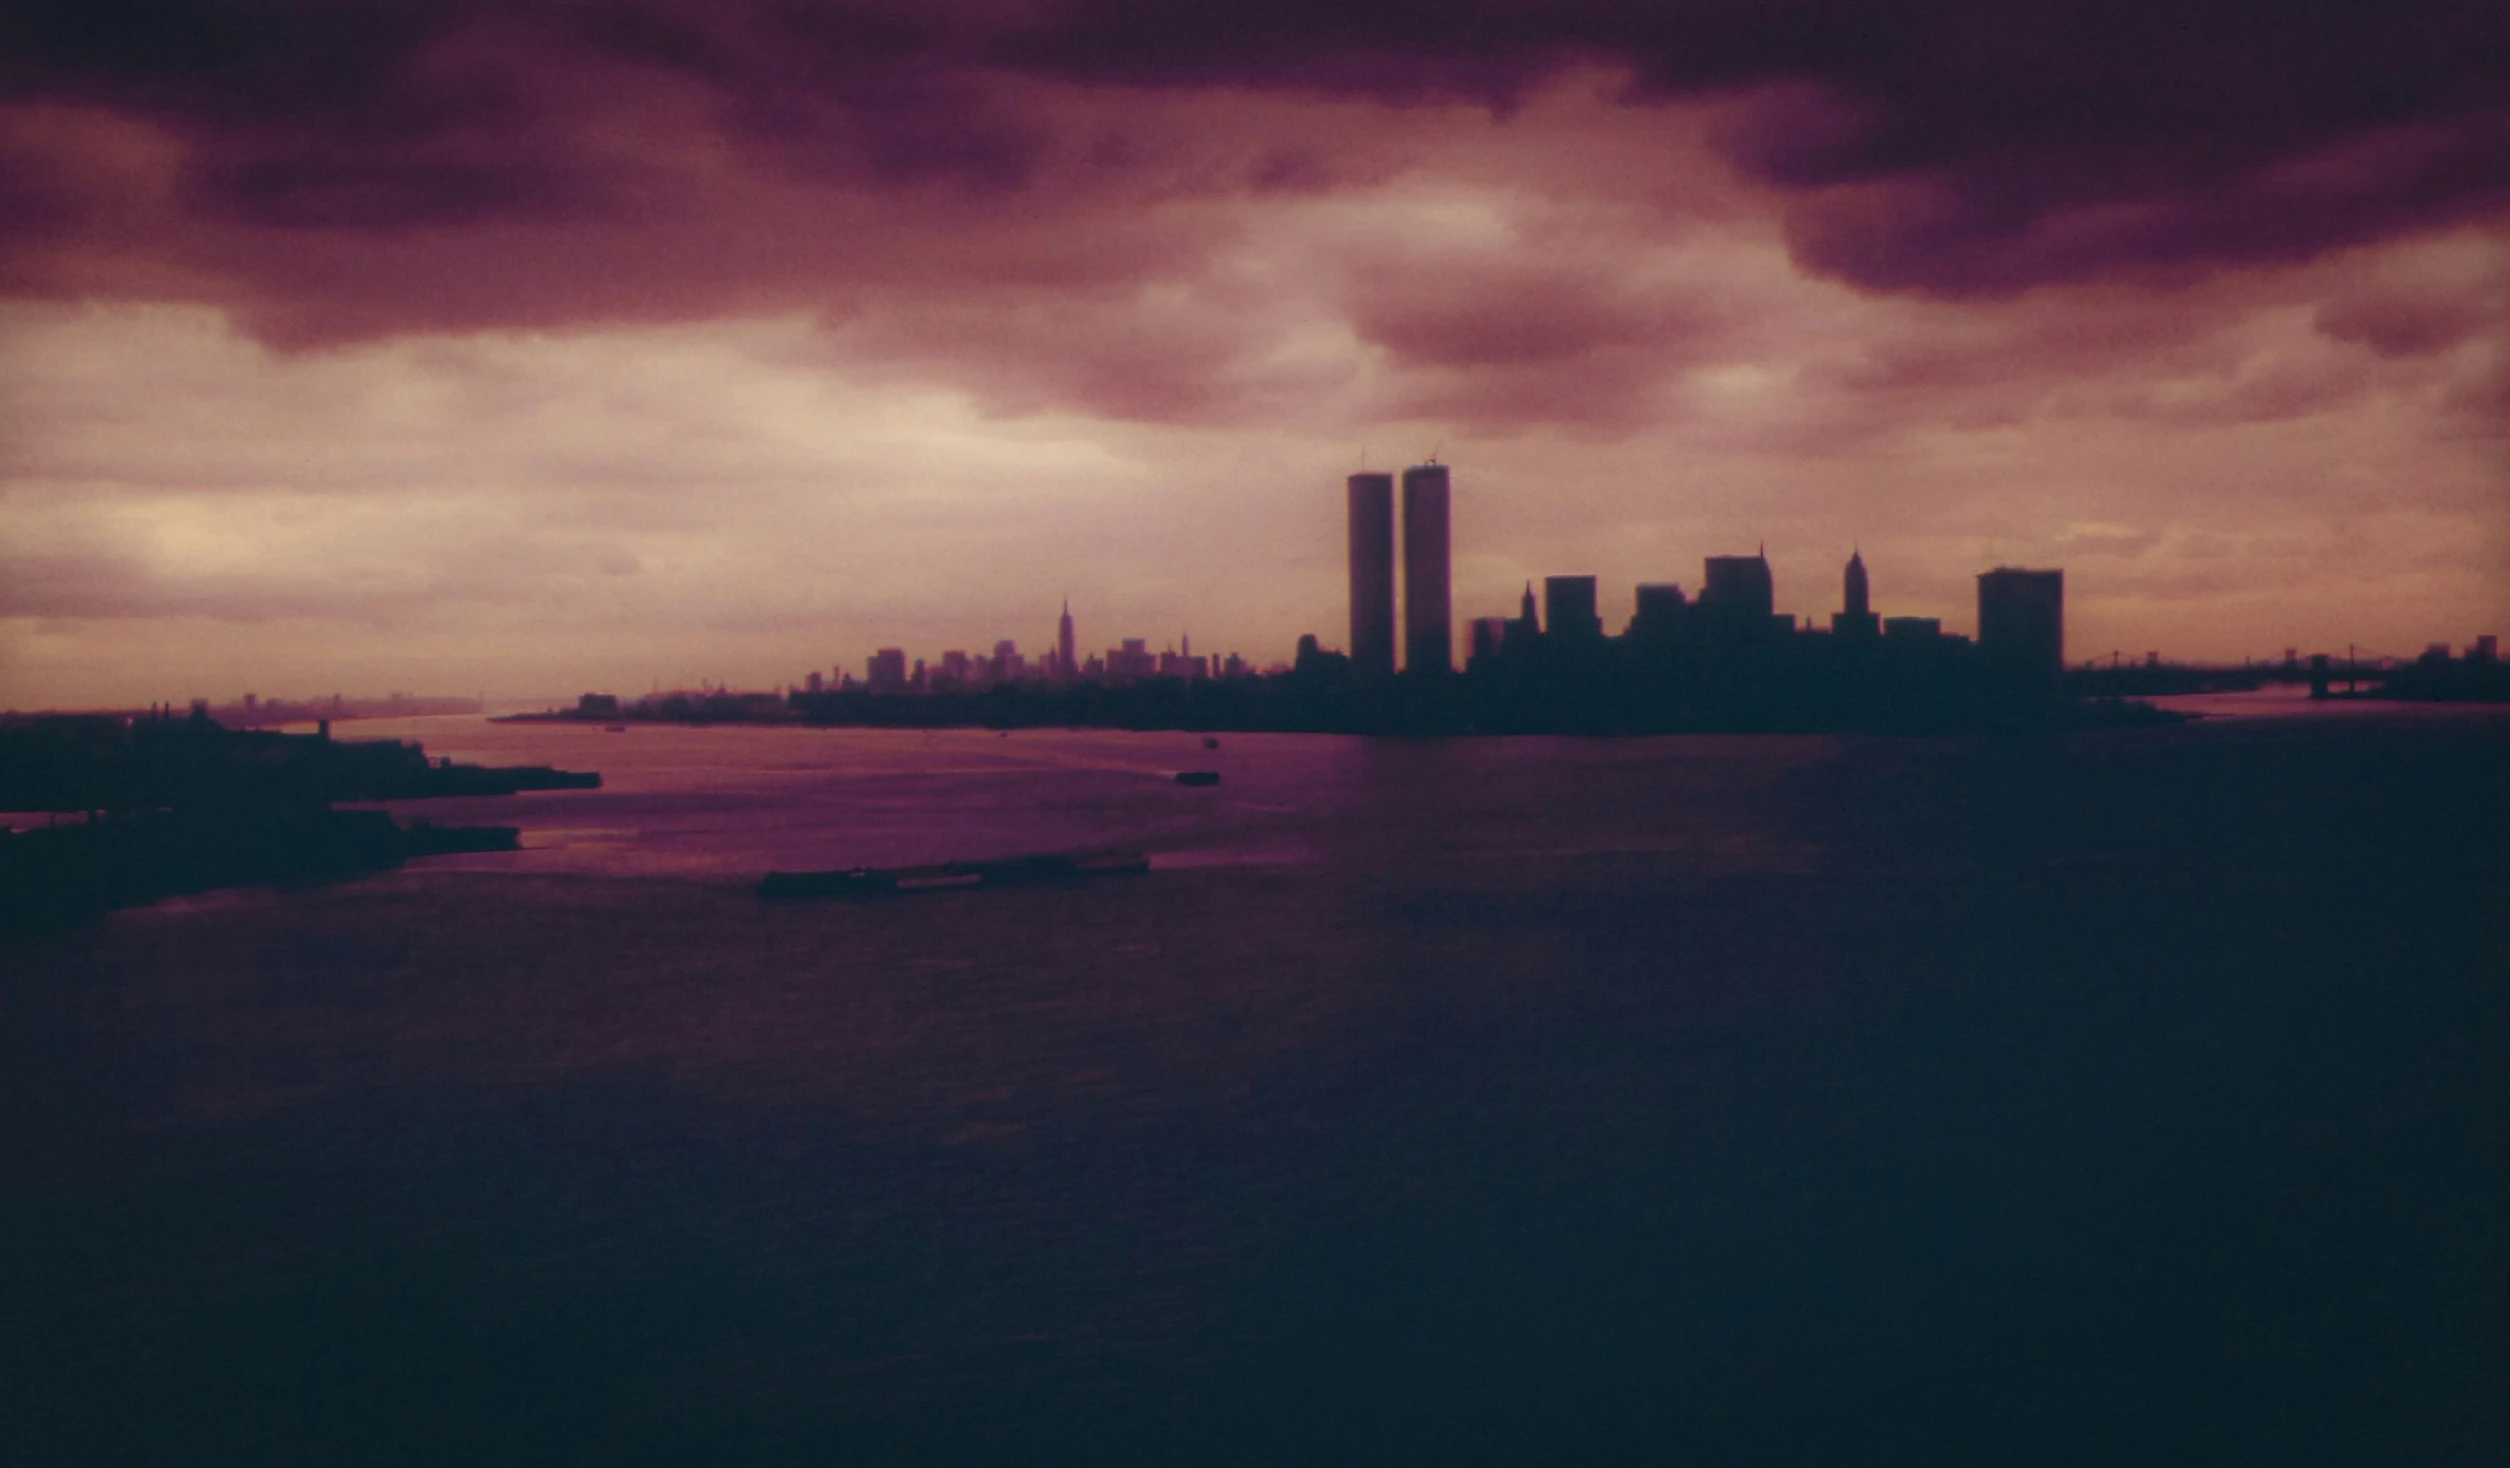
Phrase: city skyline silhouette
[1109,732]
[710,367]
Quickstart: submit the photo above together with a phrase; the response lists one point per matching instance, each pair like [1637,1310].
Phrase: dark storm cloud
[1946,147]
[1982,146]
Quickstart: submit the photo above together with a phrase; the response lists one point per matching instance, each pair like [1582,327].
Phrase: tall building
[2022,625]
[1569,608]
[1856,617]
[887,670]
[1490,639]
[1658,610]
[1372,575]
[1133,659]
[1428,613]
[1525,629]
[1740,586]
[1066,665]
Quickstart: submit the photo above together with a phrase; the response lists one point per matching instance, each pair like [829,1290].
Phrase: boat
[1198,777]
[1210,743]
[1017,871]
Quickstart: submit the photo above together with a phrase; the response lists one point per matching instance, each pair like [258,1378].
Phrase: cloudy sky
[546,345]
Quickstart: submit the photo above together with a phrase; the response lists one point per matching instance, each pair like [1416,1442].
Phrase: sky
[545,346]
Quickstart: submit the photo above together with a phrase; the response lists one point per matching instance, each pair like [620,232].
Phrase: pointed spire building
[1856,619]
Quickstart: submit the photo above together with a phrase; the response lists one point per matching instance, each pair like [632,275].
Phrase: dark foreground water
[2131,1100]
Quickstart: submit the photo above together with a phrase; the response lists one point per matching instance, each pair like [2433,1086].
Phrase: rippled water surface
[733,801]
[2131,1098]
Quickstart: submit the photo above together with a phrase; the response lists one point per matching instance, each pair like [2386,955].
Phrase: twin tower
[1428,615]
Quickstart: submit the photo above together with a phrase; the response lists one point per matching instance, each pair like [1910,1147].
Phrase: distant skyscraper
[1660,600]
[1856,618]
[1526,628]
[1569,608]
[1658,610]
[1066,665]
[888,670]
[1739,587]
[2022,624]
[1428,614]
[1372,575]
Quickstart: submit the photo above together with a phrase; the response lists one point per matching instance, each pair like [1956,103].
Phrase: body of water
[728,802]
[2125,1098]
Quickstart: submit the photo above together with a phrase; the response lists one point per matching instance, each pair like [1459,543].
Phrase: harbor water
[2133,1097]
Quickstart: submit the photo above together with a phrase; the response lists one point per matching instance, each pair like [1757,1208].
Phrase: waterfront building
[1371,512]
[1133,659]
[1569,608]
[1856,617]
[1428,613]
[1658,610]
[1490,636]
[887,670]
[2021,625]
[1527,629]
[1740,588]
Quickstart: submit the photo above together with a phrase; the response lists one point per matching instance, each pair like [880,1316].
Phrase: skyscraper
[1372,575]
[1490,639]
[1066,665]
[2022,625]
[1428,616]
[1856,618]
[1740,585]
[1569,608]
